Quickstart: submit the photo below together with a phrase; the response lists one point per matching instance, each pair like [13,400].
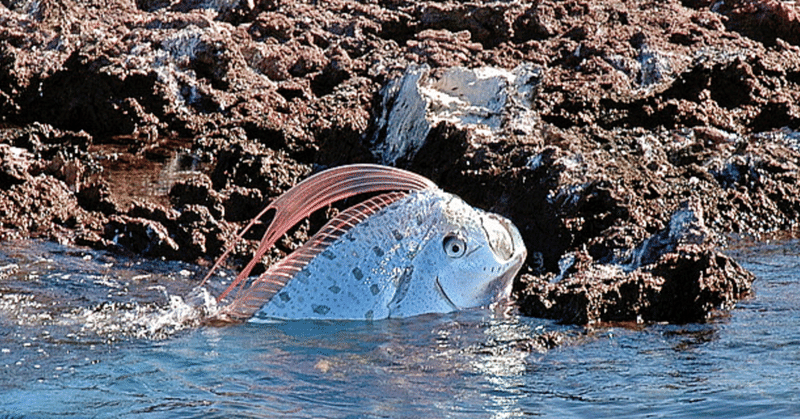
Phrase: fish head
[477,255]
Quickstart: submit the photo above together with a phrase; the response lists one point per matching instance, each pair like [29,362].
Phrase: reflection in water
[86,333]
[691,336]
[504,367]
[133,178]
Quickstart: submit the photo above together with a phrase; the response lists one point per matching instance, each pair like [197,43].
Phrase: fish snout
[503,237]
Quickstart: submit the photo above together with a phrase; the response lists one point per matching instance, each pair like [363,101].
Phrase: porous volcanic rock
[626,140]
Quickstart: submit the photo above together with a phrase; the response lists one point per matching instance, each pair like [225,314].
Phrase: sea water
[91,334]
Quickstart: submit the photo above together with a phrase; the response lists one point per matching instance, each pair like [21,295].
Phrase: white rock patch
[489,101]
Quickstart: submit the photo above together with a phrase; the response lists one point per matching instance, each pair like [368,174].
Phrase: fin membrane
[317,191]
[249,301]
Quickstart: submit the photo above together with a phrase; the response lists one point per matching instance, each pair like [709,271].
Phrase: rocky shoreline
[626,140]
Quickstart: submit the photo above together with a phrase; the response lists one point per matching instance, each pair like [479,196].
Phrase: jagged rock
[485,101]
[97,197]
[197,190]
[14,165]
[141,236]
[674,275]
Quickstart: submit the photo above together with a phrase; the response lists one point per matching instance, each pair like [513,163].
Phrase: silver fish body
[426,252]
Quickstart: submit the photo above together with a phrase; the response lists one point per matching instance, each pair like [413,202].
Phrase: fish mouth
[440,289]
[505,282]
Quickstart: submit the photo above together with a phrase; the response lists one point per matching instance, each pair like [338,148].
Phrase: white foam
[143,321]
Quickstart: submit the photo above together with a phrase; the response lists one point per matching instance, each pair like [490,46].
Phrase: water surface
[90,334]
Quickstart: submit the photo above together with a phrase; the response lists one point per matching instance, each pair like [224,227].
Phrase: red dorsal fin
[249,300]
[317,191]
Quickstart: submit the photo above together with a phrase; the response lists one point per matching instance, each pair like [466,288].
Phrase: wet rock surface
[626,140]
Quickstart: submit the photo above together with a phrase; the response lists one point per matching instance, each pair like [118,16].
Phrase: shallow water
[89,334]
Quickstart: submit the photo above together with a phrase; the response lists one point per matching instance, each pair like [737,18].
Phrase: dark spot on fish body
[320,309]
[329,255]
[349,236]
[397,235]
[334,289]
[304,275]
[358,274]
[352,299]
[331,281]
[284,297]
[369,315]
[378,251]
[374,289]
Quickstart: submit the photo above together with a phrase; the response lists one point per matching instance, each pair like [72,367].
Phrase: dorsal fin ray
[317,191]
[249,300]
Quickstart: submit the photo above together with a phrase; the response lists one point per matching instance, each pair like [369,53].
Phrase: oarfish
[411,251]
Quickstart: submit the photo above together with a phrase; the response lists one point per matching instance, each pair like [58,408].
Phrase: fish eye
[454,246]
